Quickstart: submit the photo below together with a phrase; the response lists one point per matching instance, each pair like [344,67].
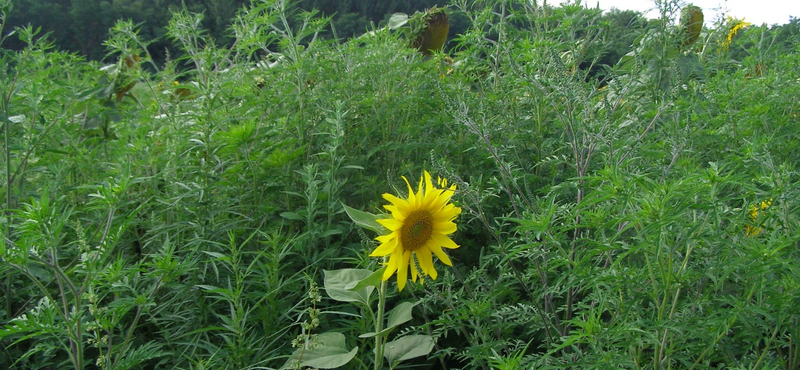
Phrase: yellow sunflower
[419,226]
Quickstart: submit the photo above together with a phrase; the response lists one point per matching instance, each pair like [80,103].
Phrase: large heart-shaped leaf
[365,219]
[408,347]
[397,316]
[338,284]
[373,280]
[330,352]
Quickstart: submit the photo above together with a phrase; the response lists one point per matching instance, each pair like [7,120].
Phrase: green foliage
[179,212]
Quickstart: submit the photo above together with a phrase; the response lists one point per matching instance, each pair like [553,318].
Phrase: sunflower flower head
[419,227]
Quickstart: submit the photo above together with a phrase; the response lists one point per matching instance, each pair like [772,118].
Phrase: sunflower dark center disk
[417,229]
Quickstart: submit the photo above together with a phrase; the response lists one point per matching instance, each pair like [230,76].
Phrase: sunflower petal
[388,245]
[444,241]
[431,196]
[441,255]
[392,224]
[412,202]
[445,228]
[391,267]
[414,271]
[448,212]
[425,259]
[401,205]
[402,270]
[420,193]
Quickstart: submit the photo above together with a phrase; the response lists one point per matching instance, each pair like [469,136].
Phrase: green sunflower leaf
[373,280]
[408,347]
[337,282]
[396,317]
[330,352]
[400,315]
[365,219]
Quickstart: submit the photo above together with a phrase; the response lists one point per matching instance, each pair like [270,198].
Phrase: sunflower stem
[379,340]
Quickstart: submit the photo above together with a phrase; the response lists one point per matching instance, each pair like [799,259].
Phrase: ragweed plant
[306,339]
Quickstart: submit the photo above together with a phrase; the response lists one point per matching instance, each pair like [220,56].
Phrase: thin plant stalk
[379,341]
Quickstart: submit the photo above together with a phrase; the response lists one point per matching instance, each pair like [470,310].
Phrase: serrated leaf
[134,358]
[408,347]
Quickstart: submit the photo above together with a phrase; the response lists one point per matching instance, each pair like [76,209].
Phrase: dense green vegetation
[189,212]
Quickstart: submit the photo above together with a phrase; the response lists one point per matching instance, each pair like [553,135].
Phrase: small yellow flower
[735,25]
[419,227]
[753,212]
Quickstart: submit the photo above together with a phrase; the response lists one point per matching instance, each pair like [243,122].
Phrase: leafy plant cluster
[181,214]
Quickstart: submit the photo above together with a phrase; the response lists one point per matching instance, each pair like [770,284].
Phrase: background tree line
[82,26]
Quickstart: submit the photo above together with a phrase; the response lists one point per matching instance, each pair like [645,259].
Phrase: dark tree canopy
[82,26]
